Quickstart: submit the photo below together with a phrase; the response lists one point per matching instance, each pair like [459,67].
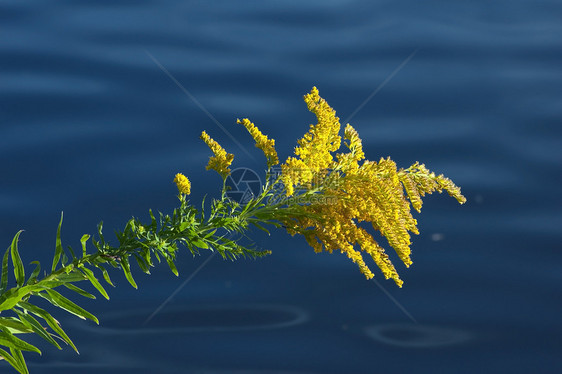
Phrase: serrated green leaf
[127,271]
[62,302]
[53,323]
[78,290]
[37,327]
[9,340]
[90,275]
[4,282]
[33,276]
[13,361]
[58,246]
[83,241]
[19,271]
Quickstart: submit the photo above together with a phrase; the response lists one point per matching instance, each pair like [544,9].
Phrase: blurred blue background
[91,124]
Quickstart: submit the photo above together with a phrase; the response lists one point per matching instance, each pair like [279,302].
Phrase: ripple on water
[416,336]
[244,317]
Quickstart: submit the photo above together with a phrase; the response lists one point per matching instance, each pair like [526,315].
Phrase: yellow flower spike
[323,138]
[221,161]
[355,145]
[184,185]
[262,142]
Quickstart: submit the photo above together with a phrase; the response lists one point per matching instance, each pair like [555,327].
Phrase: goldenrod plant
[327,197]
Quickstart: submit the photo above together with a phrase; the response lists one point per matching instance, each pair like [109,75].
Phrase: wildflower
[184,185]
[328,200]
[221,161]
[368,192]
[262,142]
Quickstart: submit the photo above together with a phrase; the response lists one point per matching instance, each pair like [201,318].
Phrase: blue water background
[91,124]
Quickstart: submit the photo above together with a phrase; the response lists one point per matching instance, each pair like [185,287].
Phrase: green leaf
[83,241]
[146,255]
[142,263]
[13,361]
[14,325]
[211,233]
[15,294]
[21,361]
[152,221]
[4,282]
[64,259]
[58,247]
[185,225]
[33,276]
[78,290]
[255,223]
[62,302]
[200,243]
[37,327]
[53,323]
[72,253]
[90,275]
[172,266]
[100,234]
[19,272]
[105,274]
[9,340]
[127,270]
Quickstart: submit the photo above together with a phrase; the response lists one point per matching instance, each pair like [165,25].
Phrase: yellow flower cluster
[262,142]
[184,185]
[314,150]
[369,192]
[221,161]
